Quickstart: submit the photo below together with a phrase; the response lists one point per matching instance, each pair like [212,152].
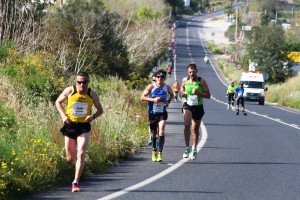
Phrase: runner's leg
[195,132]
[187,116]
[82,141]
[161,125]
[70,147]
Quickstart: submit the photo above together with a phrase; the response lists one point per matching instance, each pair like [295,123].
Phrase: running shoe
[75,187]
[232,108]
[154,156]
[149,141]
[194,154]
[186,152]
[227,107]
[159,157]
[237,113]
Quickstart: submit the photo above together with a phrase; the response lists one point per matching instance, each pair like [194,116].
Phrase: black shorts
[74,130]
[230,96]
[155,119]
[240,100]
[197,111]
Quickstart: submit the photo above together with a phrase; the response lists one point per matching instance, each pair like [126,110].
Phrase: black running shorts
[197,111]
[155,119]
[74,130]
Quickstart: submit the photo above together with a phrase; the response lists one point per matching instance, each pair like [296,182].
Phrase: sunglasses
[82,82]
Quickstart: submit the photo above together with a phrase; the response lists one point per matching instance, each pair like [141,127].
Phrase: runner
[230,95]
[169,70]
[157,137]
[239,93]
[193,90]
[176,88]
[206,59]
[77,118]
[158,95]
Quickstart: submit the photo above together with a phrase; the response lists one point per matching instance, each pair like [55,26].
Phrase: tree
[264,48]
[196,5]
[206,4]
[83,36]
[265,19]
[228,9]
[20,22]
[177,6]
[144,27]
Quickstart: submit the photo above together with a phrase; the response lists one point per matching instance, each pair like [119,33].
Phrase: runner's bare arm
[171,93]
[205,90]
[98,106]
[183,88]
[145,95]
[63,97]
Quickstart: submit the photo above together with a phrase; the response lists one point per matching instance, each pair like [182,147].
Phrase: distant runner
[176,88]
[230,95]
[169,70]
[239,94]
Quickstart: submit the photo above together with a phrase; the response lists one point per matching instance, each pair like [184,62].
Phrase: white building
[187,2]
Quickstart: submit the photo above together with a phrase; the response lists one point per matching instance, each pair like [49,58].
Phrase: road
[240,157]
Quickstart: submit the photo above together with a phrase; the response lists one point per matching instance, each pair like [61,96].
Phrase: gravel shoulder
[215,29]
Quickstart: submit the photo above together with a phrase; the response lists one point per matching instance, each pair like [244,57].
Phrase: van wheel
[261,103]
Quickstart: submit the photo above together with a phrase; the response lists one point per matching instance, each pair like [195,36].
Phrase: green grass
[31,146]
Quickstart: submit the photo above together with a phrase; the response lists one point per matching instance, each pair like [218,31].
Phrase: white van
[254,87]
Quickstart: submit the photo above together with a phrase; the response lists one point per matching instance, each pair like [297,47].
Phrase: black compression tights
[161,143]
[153,142]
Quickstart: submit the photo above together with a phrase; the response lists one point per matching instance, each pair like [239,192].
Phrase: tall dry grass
[285,94]
[118,133]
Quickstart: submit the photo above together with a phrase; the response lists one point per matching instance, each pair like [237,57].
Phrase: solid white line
[294,112]
[161,174]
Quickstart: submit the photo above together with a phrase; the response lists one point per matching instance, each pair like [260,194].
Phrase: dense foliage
[83,36]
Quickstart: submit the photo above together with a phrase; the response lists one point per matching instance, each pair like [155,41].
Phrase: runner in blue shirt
[158,95]
[239,95]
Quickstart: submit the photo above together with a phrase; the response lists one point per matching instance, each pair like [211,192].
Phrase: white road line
[167,171]
[261,115]
[294,112]
[161,174]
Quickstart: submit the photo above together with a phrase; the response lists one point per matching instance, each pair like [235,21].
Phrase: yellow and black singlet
[79,105]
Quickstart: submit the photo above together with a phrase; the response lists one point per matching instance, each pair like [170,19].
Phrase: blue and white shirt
[157,108]
[239,92]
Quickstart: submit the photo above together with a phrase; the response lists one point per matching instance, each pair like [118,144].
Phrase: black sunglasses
[83,82]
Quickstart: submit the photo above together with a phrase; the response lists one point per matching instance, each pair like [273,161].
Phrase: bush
[4,49]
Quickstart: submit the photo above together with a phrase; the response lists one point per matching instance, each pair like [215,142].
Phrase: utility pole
[236,23]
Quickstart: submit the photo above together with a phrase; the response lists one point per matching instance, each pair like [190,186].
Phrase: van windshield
[253,84]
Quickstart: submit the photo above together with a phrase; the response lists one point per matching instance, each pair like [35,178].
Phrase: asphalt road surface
[240,157]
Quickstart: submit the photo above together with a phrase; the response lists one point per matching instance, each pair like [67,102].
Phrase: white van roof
[252,76]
